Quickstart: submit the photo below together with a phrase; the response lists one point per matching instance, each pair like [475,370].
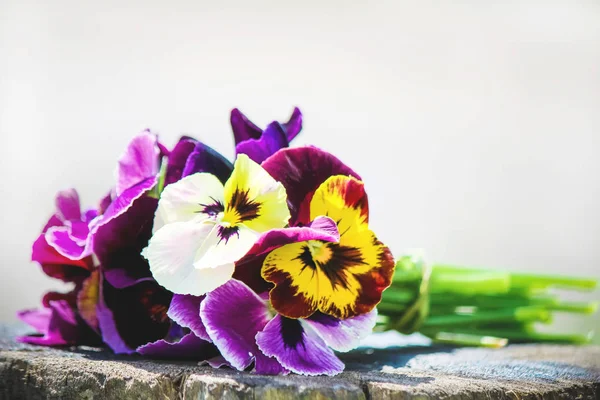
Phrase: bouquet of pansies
[267,263]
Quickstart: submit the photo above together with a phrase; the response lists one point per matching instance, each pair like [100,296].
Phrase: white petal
[182,200]
[216,250]
[171,254]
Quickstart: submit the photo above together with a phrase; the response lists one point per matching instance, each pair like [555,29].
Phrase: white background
[475,126]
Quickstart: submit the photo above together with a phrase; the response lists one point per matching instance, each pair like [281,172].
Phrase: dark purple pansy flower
[259,144]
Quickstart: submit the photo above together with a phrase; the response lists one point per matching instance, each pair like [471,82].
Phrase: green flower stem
[469,306]
[467,339]
[521,314]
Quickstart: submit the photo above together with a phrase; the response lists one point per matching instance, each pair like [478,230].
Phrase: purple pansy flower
[63,252]
[258,144]
[246,329]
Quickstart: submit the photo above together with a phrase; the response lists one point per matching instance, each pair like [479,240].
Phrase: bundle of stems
[478,307]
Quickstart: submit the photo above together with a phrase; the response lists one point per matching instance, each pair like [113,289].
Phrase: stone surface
[516,372]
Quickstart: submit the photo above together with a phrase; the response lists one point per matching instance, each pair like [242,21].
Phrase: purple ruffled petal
[243,128]
[67,205]
[118,243]
[59,238]
[78,231]
[53,221]
[190,347]
[216,362]
[105,202]
[205,159]
[271,140]
[297,349]
[134,316]
[58,326]
[302,170]
[248,268]
[233,315]
[342,335]
[121,204]
[89,215]
[185,310]
[38,319]
[139,162]
[294,125]
[57,266]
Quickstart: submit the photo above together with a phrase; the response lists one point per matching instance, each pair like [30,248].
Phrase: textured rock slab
[516,372]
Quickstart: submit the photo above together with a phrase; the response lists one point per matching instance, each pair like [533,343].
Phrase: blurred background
[475,125]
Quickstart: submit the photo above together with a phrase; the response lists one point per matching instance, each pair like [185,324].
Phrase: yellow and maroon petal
[342,279]
[302,170]
[343,199]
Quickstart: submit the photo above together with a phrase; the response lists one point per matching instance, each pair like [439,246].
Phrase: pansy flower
[342,278]
[260,144]
[202,226]
[63,252]
[246,330]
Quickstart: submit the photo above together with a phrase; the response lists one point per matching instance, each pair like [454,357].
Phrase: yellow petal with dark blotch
[254,198]
[343,199]
[342,279]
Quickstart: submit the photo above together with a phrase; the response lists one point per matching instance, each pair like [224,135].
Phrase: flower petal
[78,231]
[122,203]
[58,237]
[205,159]
[190,347]
[362,256]
[139,161]
[294,125]
[87,300]
[177,159]
[57,266]
[185,310]
[297,348]
[67,205]
[243,128]
[195,197]
[247,269]
[343,335]
[43,253]
[336,279]
[119,242]
[343,199]
[254,198]
[58,326]
[271,140]
[225,246]
[233,315]
[301,170]
[172,252]
[134,316]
